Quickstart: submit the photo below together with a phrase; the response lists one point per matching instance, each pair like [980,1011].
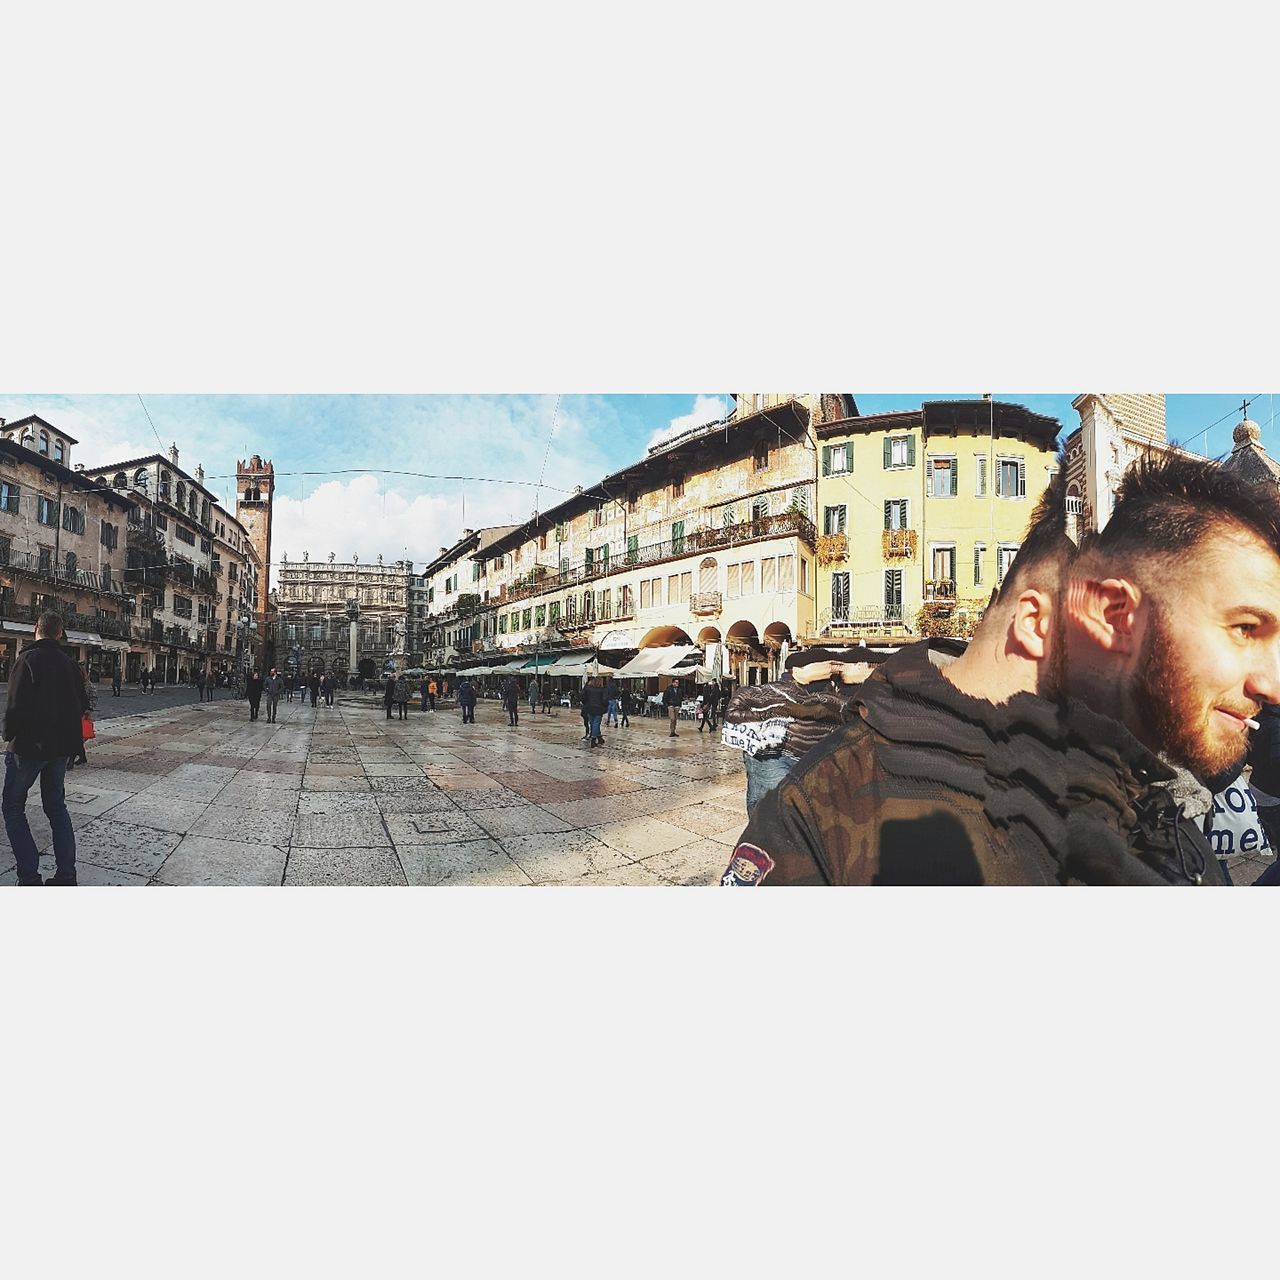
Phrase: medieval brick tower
[255,488]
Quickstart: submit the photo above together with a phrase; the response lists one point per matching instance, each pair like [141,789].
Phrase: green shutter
[911,451]
[588,561]
[888,517]
[888,453]
[826,459]
[604,557]
[955,476]
[633,548]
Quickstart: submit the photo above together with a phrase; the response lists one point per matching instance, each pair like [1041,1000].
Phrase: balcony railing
[705,602]
[709,539]
[29,562]
[898,544]
[940,589]
[861,616]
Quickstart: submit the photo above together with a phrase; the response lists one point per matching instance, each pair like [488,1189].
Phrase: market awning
[507,668]
[662,661]
[121,645]
[540,663]
[80,637]
[26,628]
[574,665]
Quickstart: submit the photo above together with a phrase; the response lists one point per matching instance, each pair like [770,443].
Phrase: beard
[1174,712]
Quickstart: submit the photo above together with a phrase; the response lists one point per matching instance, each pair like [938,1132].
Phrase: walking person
[313,687]
[611,693]
[200,683]
[388,693]
[401,695]
[115,682]
[511,700]
[288,687]
[534,692]
[91,693]
[253,690]
[671,700]
[624,702]
[431,692]
[467,701]
[42,729]
[547,695]
[422,694]
[593,705]
[271,687]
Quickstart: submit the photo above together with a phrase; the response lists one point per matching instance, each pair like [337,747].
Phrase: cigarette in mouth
[1253,724]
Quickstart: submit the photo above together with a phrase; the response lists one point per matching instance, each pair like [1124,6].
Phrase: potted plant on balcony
[832,548]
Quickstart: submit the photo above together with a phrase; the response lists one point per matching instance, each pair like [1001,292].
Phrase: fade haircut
[1169,504]
[1046,550]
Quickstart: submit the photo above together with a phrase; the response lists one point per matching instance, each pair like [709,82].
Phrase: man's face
[1210,658]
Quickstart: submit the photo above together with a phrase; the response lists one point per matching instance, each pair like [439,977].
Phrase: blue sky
[507,438]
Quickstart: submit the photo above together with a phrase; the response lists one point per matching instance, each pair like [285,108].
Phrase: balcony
[704,603]
[940,589]
[898,544]
[30,563]
[700,540]
[861,617]
[832,548]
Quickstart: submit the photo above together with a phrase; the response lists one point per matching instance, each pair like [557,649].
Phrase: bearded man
[1045,753]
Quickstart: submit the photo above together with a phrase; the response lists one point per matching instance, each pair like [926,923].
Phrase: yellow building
[923,510]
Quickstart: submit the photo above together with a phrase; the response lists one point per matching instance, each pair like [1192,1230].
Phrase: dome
[1247,433]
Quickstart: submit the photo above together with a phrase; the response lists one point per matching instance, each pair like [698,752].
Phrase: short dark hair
[1046,548]
[1170,503]
[49,626]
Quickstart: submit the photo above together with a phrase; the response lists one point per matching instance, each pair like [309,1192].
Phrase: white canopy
[662,661]
[573,665]
[80,637]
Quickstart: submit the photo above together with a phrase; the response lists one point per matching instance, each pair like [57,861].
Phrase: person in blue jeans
[593,705]
[42,720]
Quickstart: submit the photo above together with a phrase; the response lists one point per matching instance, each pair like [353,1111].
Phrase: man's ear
[1106,611]
[1033,622]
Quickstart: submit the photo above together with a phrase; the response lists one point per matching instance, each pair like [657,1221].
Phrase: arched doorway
[661,636]
[746,656]
[777,639]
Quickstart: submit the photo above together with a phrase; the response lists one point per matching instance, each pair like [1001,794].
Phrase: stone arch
[662,636]
[181,494]
[140,477]
[776,633]
[120,480]
[709,635]
[744,632]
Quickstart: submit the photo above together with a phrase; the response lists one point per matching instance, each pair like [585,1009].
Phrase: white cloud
[705,409]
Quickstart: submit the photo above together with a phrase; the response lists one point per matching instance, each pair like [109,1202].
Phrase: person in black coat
[389,694]
[253,691]
[511,700]
[42,729]
[1264,781]
[313,686]
[467,701]
[594,702]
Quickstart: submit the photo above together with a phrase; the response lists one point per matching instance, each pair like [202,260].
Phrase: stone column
[353,616]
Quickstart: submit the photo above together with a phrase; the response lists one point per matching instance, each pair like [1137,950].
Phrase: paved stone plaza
[196,794]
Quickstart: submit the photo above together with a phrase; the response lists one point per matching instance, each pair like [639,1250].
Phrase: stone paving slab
[526,820]
[264,824]
[164,813]
[205,860]
[562,857]
[339,831]
[642,837]
[442,827]
[477,862]
[310,866]
[125,846]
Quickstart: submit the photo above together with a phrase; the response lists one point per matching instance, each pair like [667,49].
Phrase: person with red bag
[86,721]
[42,719]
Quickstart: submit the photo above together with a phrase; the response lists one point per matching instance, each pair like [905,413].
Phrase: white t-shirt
[1236,829]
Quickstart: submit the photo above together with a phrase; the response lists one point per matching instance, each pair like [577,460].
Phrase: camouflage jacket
[931,786]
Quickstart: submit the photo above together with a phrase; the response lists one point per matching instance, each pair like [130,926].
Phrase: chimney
[173,453]
[199,473]
[466,533]
[79,466]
